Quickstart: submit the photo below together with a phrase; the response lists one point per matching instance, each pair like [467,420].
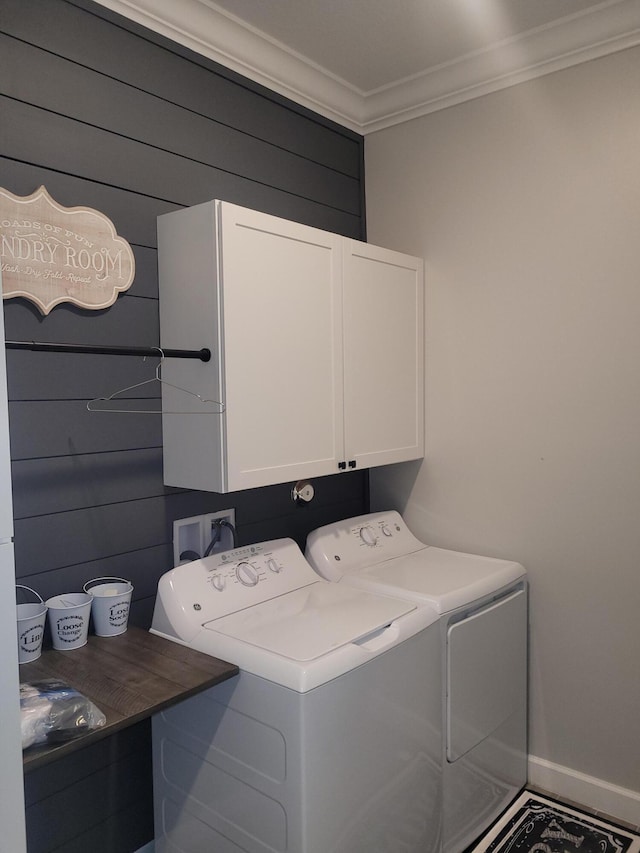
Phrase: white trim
[597,794]
[612,27]
[212,32]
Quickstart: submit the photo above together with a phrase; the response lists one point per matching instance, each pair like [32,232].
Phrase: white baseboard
[584,790]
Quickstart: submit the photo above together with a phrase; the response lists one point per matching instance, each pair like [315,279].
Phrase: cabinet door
[383,303]
[282,346]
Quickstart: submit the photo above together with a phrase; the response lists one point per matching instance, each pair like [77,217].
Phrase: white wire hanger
[96,405]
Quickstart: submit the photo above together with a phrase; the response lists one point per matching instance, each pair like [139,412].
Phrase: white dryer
[328,741]
[482,604]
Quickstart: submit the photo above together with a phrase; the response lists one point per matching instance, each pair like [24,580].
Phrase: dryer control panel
[350,545]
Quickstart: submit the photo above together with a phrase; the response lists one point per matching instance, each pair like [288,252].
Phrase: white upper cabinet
[383,322]
[317,350]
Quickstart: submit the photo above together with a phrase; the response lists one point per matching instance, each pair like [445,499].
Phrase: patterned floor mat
[534,824]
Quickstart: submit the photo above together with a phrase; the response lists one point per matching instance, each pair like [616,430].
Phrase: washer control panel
[349,545]
[246,566]
[229,581]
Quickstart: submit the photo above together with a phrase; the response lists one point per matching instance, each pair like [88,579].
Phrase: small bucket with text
[31,618]
[69,619]
[111,599]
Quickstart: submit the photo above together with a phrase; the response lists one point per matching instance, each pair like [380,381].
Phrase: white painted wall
[525,205]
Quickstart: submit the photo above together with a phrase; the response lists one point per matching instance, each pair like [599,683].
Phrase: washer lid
[446,579]
[308,623]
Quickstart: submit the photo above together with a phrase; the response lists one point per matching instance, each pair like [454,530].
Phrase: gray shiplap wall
[110,116]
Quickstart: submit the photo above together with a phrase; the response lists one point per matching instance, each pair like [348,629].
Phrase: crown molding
[607,28]
[204,28]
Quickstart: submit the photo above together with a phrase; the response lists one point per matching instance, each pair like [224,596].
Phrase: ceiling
[368,64]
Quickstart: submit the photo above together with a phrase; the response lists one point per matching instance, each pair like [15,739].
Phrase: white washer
[329,740]
[482,604]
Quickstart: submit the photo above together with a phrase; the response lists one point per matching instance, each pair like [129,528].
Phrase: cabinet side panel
[12,799]
[283,359]
[384,364]
[189,319]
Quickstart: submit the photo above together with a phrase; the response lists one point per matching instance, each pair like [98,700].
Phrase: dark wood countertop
[129,677]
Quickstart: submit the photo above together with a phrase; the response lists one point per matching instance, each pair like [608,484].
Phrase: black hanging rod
[37,346]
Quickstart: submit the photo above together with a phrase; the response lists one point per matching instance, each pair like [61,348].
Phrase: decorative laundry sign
[51,254]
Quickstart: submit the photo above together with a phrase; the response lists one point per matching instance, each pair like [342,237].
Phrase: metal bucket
[111,599]
[69,619]
[31,619]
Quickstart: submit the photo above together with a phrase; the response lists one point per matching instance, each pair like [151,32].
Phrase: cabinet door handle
[352,463]
[342,465]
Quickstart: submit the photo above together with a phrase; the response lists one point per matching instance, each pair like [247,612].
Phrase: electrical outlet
[195,534]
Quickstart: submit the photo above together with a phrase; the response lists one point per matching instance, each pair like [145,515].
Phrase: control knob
[218,582]
[368,536]
[273,566]
[246,574]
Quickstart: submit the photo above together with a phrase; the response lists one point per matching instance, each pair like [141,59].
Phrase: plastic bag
[52,712]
